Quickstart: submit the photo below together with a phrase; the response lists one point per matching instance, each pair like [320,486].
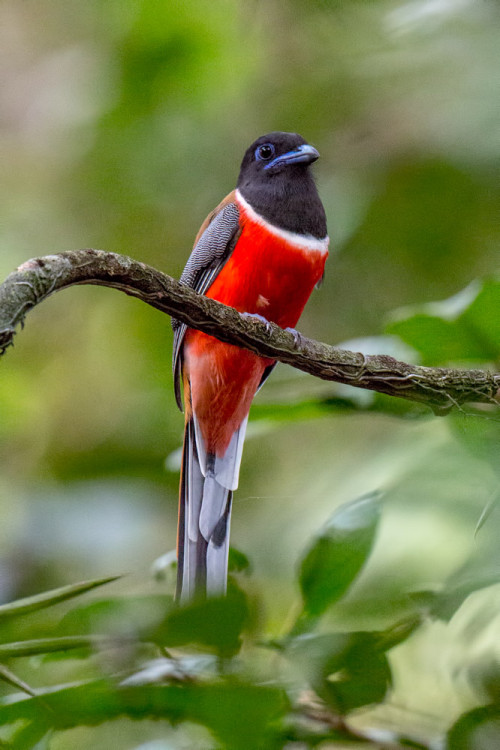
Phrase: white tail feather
[207,485]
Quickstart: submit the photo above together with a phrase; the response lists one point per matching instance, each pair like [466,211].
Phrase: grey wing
[206,260]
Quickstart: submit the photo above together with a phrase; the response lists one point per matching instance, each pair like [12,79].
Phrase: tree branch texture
[440,388]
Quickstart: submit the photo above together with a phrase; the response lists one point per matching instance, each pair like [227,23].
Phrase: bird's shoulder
[230,198]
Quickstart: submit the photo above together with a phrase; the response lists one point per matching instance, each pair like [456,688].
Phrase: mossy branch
[440,388]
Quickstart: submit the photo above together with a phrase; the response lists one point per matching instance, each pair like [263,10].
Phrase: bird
[262,251]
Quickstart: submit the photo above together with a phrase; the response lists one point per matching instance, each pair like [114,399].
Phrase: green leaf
[364,679]
[338,553]
[89,702]
[472,576]
[22,607]
[242,716]
[215,622]
[45,645]
[238,561]
[443,604]
[478,729]
[465,327]
[34,735]
[347,670]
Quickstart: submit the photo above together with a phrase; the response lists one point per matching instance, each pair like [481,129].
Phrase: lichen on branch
[440,388]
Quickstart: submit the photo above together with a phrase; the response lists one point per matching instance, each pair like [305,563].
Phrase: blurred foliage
[336,556]
[305,694]
[464,328]
[121,125]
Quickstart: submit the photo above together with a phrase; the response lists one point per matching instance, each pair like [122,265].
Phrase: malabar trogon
[261,251]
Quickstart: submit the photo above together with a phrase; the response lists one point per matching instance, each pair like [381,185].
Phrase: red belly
[265,275]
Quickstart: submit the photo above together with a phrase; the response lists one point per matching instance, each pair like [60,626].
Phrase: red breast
[271,272]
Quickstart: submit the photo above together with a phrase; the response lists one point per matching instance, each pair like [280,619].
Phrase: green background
[122,124]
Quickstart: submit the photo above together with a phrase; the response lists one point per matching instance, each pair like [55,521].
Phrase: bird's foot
[261,318]
[298,339]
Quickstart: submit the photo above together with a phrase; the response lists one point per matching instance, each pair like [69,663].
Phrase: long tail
[205,499]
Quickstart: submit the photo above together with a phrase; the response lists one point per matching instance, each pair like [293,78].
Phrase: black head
[275,179]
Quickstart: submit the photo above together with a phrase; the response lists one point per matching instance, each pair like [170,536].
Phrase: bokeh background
[122,124]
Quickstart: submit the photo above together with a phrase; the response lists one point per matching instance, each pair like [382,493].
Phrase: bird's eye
[264,152]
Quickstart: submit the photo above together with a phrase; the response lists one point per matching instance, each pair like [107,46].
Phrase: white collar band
[304,241]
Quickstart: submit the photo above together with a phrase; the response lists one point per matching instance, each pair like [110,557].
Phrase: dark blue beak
[304,154]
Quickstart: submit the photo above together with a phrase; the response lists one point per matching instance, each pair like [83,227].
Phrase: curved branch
[439,388]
